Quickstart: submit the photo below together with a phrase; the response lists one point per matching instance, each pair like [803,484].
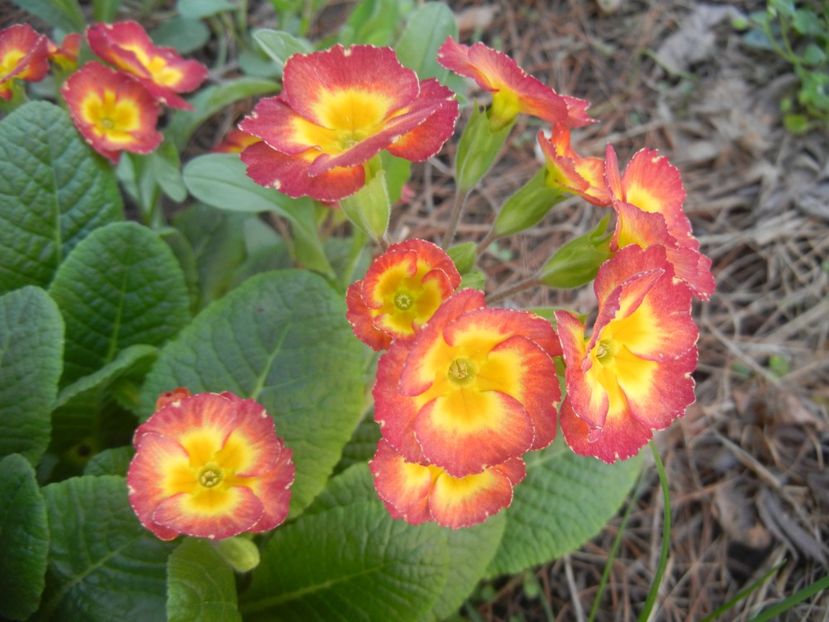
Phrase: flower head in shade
[23,56]
[113,112]
[648,202]
[66,54]
[633,374]
[475,388]
[209,465]
[418,493]
[235,141]
[337,109]
[400,292]
[513,90]
[571,172]
[127,46]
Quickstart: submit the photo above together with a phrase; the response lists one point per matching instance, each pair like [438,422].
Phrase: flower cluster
[462,392]
[25,55]
[117,109]
[209,465]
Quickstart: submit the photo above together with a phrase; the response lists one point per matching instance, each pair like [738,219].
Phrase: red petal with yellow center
[591,402]
[500,324]
[498,73]
[289,174]
[252,448]
[620,438]
[274,491]
[403,486]
[322,86]
[426,139]
[466,430]
[211,513]
[160,69]
[112,111]
[571,172]
[23,56]
[66,55]
[360,318]
[235,141]
[158,470]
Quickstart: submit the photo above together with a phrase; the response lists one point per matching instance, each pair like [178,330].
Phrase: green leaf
[425,31]
[165,167]
[63,14]
[254,62]
[200,585]
[218,248]
[103,565]
[185,35]
[121,286]
[220,180]
[198,9]
[24,539]
[369,208]
[114,461]
[31,352]
[280,45]
[53,193]
[362,445]
[373,22]
[398,171]
[183,251]
[463,255]
[348,561]
[105,10]
[527,205]
[211,100]
[564,501]
[282,339]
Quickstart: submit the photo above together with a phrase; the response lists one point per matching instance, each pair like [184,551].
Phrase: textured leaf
[425,31]
[280,338]
[371,21]
[63,14]
[113,461]
[186,35]
[200,585]
[362,445]
[121,286]
[165,167]
[24,539]
[279,45]
[564,501]
[103,565]
[197,9]
[31,349]
[348,561]
[53,192]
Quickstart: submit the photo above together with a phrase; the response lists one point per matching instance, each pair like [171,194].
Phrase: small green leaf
[254,62]
[185,35]
[240,552]
[63,14]
[796,123]
[369,208]
[527,206]
[198,9]
[53,192]
[373,22]
[398,171]
[103,565]
[166,170]
[24,539]
[211,100]
[280,45]
[478,148]
[114,461]
[813,55]
[362,445]
[474,279]
[200,585]
[282,339]
[564,501]
[121,286]
[31,351]
[425,31]
[105,10]
[464,256]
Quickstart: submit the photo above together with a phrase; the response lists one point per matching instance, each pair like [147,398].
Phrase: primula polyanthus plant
[269,375]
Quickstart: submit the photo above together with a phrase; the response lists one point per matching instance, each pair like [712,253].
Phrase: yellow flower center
[210,475]
[111,117]
[461,371]
[9,61]
[505,107]
[403,300]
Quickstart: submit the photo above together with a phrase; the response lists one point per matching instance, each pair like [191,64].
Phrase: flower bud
[577,262]
[528,205]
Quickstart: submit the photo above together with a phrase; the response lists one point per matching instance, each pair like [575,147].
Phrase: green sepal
[577,262]
[369,208]
[478,148]
[240,553]
[463,255]
[527,206]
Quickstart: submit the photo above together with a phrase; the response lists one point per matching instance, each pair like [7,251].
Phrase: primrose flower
[400,292]
[164,73]
[475,388]
[209,465]
[113,112]
[66,55]
[235,141]
[418,493]
[23,56]
[648,203]
[633,374]
[338,108]
[513,90]
[571,172]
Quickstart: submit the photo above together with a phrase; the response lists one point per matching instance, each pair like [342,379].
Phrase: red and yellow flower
[209,465]
[513,90]
[633,374]
[417,493]
[475,388]
[23,56]
[400,292]
[338,108]
[127,46]
[235,141]
[569,171]
[648,202]
[113,112]
[66,54]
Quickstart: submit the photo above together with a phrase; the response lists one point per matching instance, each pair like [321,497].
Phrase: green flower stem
[489,238]
[514,289]
[774,612]
[742,594]
[666,537]
[455,217]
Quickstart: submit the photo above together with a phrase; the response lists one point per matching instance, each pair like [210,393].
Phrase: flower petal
[619,439]
[214,513]
[403,486]
[274,491]
[426,139]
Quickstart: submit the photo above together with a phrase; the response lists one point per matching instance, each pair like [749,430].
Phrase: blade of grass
[666,537]
[774,612]
[744,593]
